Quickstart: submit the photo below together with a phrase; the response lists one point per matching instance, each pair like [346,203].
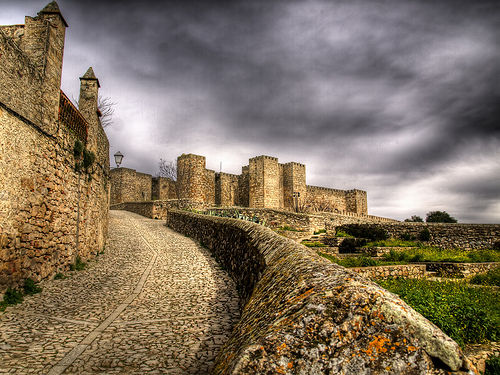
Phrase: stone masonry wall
[325,199]
[158,209]
[127,185]
[227,186]
[278,218]
[40,191]
[467,236]
[305,315]
[407,271]
[38,202]
[163,188]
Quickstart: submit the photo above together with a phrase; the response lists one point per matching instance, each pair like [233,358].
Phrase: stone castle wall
[264,183]
[304,314]
[40,189]
[128,185]
[163,188]
[465,236]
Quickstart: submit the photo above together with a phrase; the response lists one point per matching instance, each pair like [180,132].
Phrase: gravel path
[155,302]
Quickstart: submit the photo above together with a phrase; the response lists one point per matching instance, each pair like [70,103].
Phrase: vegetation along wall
[444,235]
[305,315]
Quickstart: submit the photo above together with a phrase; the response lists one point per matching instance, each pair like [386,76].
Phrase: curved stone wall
[305,315]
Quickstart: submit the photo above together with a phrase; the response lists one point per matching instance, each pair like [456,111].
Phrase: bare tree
[106,108]
[167,169]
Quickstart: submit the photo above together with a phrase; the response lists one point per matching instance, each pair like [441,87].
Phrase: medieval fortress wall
[263,183]
[40,189]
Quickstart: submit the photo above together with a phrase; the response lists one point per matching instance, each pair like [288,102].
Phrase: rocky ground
[155,302]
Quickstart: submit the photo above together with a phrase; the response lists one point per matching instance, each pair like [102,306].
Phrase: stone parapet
[303,314]
[406,271]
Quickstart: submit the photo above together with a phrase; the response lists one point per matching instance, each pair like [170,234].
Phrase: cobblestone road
[155,302]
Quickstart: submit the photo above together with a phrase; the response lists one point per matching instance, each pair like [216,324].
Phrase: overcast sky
[398,98]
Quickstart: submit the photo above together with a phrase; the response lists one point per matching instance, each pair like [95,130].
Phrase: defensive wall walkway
[155,302]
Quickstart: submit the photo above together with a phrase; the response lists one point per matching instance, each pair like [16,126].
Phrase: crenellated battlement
[263,183]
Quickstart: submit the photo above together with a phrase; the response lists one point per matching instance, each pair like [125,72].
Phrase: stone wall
[128,185]
[163,188]
[305,315]
[294,181]
[325,199]
[41,191]
[191,177]
[407,271]
[278,218]
[466,236]
[460,270]
[226,189]
[158,209]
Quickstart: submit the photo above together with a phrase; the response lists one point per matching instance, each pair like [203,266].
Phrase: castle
[263,183]
[50,212]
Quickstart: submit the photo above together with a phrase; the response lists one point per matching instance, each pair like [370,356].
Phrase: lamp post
[296,196]
[118,159]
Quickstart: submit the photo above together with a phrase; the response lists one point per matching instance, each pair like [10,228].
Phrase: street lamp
[118,159]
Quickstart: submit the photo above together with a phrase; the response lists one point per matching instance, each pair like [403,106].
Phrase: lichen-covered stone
[305,315]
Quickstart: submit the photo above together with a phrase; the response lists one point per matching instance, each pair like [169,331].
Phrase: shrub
[439,217]
[424,235]
[289,228]
[492,366]
[341,233]
[414,219]
[496,245]
[466,314]
[319,231]
[492,277]
[408,237]
[350,245]
[59,276]
[30,287]
[372,233]
[12,296]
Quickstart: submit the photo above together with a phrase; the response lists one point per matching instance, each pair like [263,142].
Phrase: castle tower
[264,182]
[191,177]
[87,104]
[43,42]
[294,181]
[356,201]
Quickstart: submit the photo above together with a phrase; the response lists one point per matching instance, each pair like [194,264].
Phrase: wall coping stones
[305,315]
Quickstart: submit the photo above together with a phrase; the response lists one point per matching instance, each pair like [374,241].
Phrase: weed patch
[78,265]
[466,314]
[30,287]
[492,278]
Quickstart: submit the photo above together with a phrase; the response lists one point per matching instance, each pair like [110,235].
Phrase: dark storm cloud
[399,94]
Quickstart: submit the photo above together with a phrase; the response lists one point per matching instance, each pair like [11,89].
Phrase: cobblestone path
[154,303]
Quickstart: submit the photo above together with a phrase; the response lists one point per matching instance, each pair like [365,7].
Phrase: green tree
[439,217]
[415,219]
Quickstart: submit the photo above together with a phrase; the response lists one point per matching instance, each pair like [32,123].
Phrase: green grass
[30,287]
[492,366]
[392,242]
[78,265]
[341,233]
[492,278]
[361,261]
[319,231]
[15,296]
[466,314]
[313,244]
[432,254]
